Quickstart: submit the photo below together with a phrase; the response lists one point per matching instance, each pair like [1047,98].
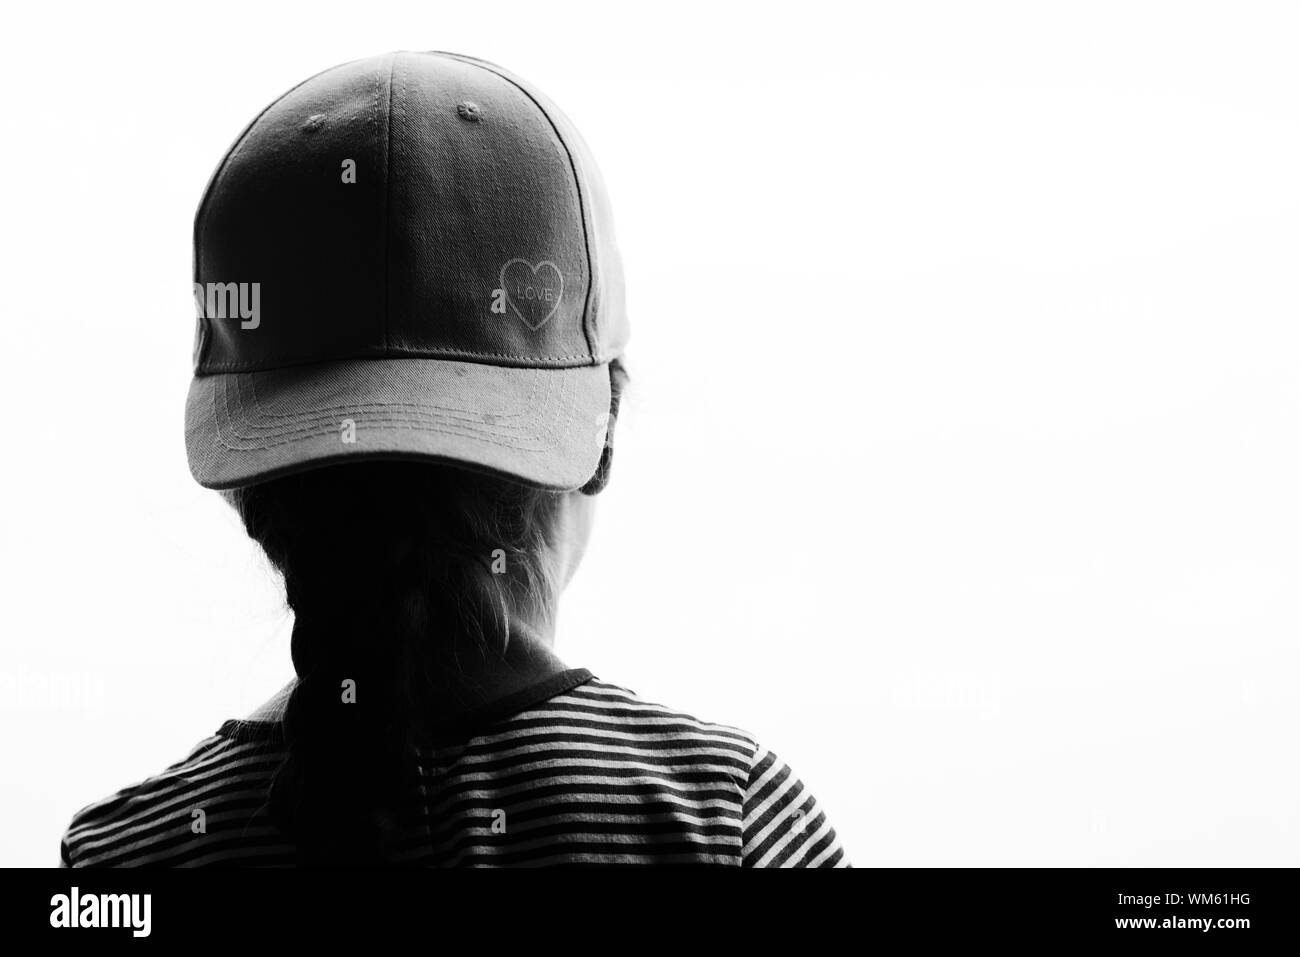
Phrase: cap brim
[543,427]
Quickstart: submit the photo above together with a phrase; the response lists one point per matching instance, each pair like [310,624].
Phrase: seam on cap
[415,409]
[588,320]
[310,421]
[388,201]
[548,432]
[527,361]
[236,146]
[471,414]
[205,340]
[296,436]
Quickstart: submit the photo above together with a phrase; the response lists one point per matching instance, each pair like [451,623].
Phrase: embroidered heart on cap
[533,292]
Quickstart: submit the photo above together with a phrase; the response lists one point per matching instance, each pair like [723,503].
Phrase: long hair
[387,566]
[384,563]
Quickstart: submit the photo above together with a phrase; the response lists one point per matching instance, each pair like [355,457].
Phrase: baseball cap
[409,256]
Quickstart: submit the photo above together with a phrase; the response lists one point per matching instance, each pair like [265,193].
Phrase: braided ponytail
[384,564]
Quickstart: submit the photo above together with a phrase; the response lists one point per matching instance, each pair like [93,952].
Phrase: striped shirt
[572,771]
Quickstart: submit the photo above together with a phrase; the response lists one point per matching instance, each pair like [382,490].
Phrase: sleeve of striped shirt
[783,824]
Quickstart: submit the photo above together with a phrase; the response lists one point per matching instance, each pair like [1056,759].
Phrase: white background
[962,460]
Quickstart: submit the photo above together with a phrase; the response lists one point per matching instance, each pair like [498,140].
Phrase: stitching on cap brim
[539,426]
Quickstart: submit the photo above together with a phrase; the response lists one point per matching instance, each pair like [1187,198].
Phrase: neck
[473,677]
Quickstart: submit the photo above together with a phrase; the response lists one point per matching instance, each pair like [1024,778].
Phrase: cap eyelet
[469,111]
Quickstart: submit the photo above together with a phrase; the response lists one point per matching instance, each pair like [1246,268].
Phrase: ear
[617,382]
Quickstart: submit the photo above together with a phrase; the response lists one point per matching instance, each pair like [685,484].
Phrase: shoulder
[784,824]
[603,708]
[162,818]
[780,823]
[606,731]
